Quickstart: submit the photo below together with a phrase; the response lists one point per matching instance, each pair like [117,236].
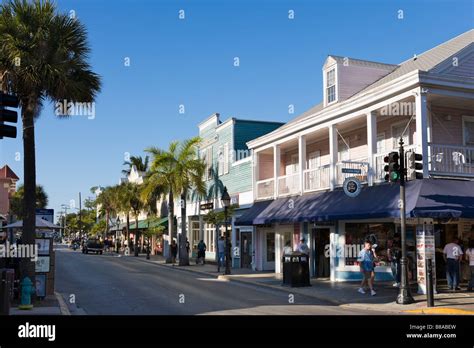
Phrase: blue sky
[191,62]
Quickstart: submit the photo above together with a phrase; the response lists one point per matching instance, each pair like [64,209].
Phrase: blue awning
[435,198]
[248,217]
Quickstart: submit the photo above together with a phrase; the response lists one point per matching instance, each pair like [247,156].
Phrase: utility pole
[404,295]
[80,215]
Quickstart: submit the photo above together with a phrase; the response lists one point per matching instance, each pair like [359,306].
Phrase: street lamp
[226,203]
[116,234]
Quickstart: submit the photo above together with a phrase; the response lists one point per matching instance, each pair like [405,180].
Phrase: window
[356,234]
[226,158]
[209,236]
[207,157]
[468,130]
[331,86]
[397,131]
[220,161]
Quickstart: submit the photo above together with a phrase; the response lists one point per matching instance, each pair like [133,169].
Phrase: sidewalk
[50,305]
[343,294]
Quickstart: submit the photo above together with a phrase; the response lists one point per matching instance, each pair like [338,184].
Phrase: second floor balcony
[356,147]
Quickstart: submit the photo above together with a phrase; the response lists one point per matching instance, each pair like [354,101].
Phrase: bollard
[429,283]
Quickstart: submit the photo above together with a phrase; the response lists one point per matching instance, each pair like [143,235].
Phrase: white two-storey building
[299,169]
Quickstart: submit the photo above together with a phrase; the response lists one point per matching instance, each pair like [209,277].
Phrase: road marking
[213,279]
[438,310]
[62,304]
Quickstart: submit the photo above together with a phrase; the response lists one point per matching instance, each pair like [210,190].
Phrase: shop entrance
[321,263]
[246,249]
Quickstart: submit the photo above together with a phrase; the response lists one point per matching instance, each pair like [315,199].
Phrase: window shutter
[226,158]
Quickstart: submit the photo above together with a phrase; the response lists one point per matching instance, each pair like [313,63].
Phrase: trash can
[6,290]
[296,270]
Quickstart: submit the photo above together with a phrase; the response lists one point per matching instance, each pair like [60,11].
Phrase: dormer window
[331,86]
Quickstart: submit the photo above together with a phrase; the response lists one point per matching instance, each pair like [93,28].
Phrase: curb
[62,304]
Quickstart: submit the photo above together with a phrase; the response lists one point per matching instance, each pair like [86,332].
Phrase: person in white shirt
[303,247]
[470,258]
[452,254]
[287,250]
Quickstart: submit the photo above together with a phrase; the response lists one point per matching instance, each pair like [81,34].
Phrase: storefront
[335,227]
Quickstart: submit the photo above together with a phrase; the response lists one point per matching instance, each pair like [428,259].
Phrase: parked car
[94,246]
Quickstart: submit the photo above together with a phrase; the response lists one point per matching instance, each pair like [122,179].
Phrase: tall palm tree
[43,56]
[177,170]
[216,188]
[136,206]
[108,203]
[137,161]
[17,201]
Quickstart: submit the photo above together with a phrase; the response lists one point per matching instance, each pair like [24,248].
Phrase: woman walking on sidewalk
[367,263]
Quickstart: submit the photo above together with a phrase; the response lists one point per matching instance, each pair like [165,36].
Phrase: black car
[93,245]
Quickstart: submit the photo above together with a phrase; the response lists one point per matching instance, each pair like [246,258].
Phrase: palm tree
[137,161]
[17,201]
[215,192]
[176,171]
[136,206]
[124,198]
[108,203]
[43,56]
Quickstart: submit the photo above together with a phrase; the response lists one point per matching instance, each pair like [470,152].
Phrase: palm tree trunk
[27,267]
[128,231]
[136,244]
[170,224]
[183,253]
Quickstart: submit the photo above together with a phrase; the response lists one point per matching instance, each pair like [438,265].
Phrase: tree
[137,161]
[17,201]
[215,193]
[176,171]
[43,56]
[108,203]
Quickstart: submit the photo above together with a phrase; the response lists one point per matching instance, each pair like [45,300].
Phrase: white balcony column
[371,144]
[276,168]
[301,160]
[255,174]
[422,129]
[333,154]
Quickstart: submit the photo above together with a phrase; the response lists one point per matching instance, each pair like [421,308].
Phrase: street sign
[206,206]
[352,187]
[351,170]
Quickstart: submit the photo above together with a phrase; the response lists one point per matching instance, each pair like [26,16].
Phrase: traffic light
[416,163]
[392,168]
[11,101]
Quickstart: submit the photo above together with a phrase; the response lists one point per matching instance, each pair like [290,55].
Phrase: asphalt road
[111,285]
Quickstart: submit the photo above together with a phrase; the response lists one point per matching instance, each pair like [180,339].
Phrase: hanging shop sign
[352,187]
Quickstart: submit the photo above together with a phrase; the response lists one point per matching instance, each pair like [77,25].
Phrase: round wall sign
[352,187]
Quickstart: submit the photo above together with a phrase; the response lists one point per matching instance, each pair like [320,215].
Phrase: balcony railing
[346,169]
[265,188]
[451,159]
[317,178]
[288,184]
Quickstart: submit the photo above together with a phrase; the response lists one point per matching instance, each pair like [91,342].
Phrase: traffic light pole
[404,294]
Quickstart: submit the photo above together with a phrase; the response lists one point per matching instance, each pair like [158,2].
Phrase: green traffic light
[395,176]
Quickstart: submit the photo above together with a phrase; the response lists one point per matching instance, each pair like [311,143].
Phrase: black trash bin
[6,290]
[296,270]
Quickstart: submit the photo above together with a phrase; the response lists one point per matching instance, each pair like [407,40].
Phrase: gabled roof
[7,173]
[361,62]
[426,61]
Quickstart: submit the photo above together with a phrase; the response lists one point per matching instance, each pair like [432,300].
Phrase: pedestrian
[452,255]
[367,262]
[394,256]
[220,252]
[287,250]
[201,252]
[174,251]
[303,247]
[187,246]
[470,259]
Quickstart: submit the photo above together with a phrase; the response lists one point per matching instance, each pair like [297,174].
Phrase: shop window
[358,233]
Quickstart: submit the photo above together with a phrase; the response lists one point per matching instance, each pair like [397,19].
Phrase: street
[111,285]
